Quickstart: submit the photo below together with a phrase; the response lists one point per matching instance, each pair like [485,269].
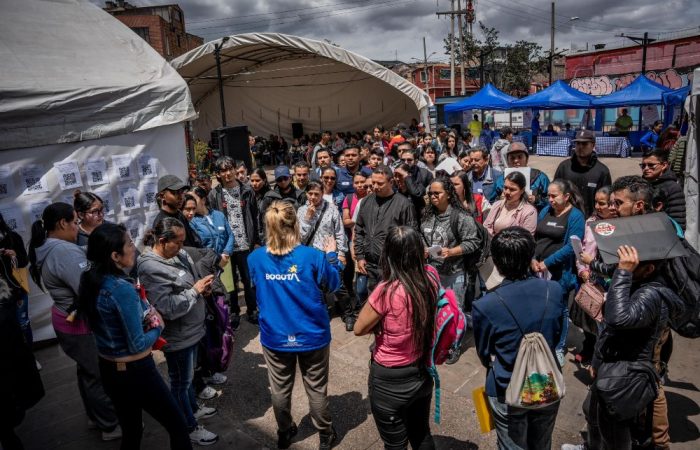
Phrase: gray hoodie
[62,263]
[168,284]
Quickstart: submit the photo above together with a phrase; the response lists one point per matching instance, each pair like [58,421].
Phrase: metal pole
[452,49]
[645,42]
[461,47]
[481,68]
[551,49]
[425,68]
[217,55]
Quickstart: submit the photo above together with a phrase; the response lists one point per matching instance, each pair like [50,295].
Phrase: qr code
[96,177]
[106,204]
[3,189]
[124,172]
[33,184]
[146,169]
[129,202]
[69,179]
[134,232]
[150,197]
[12,223]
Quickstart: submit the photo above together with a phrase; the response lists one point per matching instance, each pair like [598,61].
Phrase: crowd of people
[369,227]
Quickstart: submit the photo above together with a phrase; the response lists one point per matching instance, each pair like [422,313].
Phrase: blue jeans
[181,364]
[526,429]
[23,318]
[361,291]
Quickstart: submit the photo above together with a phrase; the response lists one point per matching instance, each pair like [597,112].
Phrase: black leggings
[135,387]
[400,401]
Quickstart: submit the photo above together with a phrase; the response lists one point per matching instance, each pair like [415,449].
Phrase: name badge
[345,183]
[221,228]
[551,224]
[592,185]
[181,273]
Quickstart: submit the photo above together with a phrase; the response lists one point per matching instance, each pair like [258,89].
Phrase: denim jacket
[119,327]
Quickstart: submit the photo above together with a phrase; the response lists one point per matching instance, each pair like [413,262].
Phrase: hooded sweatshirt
[168,284]
[62,263]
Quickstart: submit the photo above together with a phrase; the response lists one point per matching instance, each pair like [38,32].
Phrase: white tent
[273,80]
[85,104]
[692,107]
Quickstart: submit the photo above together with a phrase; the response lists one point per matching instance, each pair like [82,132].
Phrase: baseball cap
[281,172]
[171,183]
[519,148]
[585,136]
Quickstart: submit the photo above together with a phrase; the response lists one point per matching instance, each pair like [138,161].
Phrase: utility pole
[217,57]
[462,91]
[644,42]
[551,49]
[425,68]
[452,48]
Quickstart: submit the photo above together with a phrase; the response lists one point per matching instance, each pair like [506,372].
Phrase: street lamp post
[217,56]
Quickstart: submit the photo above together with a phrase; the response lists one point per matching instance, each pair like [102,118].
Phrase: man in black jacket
[638,312]
[171,196]
[284,190]
[656,171]
[237,202]
[378,212]
[585,170]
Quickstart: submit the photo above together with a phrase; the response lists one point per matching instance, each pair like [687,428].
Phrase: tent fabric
[557,96]
[676,96]
[273,80]
[692,154]
[642,91]
[65,80]
[488,97]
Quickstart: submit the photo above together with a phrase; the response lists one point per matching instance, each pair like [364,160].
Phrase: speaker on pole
[233,142]
[297,130]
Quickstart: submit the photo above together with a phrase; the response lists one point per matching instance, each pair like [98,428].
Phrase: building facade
[434,78]
[163,26]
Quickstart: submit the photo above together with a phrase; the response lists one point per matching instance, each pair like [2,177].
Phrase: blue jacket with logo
[289,289]
[215,231]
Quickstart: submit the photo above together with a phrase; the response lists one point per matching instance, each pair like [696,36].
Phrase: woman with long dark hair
[91,212]
[125,329]
[513,210]
[56,264]
[474,202]
[401,312]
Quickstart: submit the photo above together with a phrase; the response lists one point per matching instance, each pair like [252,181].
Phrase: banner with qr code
[106,195]
[148,166]
[7,185]
[33,179]
[128,197]
[122,167]
[13,218]
[68,175]
[96,171]
[149,196]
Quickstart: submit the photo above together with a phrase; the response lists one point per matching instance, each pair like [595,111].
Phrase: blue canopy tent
[488,97]
[641,92]
[676,96]
[557,96]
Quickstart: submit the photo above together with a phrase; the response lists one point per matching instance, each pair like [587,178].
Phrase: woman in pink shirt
[401,313]
[513,210]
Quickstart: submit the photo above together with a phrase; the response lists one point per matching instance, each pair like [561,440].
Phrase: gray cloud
[382,29]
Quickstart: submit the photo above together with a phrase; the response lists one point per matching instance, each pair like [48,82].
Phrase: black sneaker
[454,356]
[253,318]
[349,323]
[284,438]
[327,440]
[235,321]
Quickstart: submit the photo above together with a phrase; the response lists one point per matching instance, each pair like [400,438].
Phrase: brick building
[162,26]
[438,79]
[669,61]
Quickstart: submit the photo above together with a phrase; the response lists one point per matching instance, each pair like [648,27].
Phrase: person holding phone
[176,289]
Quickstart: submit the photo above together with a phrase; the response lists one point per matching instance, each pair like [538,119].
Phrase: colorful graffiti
[604,84]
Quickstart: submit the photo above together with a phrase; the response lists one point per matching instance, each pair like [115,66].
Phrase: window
[423,77]
[444,74]
[143,32]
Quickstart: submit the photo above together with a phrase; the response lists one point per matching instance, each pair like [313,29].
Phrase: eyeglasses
[652,166]
[329,178]
[407,160]
[435,194]
[96,212]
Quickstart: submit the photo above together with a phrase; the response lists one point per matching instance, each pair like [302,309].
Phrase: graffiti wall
[605,84]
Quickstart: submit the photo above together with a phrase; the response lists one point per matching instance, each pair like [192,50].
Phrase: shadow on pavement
[449,443]
[680,408]
[348,410]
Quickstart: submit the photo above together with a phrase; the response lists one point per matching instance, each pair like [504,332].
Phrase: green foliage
[200,153]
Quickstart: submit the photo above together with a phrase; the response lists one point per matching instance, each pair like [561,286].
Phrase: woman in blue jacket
[651,138]
[211,225]
[554,255]
[290,280]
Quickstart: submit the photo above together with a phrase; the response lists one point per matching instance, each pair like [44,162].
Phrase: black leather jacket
[635,316]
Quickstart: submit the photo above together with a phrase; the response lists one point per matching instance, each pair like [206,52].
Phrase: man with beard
[346,174]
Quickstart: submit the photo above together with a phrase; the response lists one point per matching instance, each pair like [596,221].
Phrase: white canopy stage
[273,80]
[87,104]
[692,154]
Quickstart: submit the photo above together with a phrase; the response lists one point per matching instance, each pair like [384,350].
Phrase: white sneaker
[573,447]
[217,378]
[116,433]
[38,366]
[208,393]
[201,436]
[205,412]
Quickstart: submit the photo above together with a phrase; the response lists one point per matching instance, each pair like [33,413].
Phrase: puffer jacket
[635,317]
[675,200]
[169,287]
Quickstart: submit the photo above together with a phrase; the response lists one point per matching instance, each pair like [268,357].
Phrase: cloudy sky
[386,29]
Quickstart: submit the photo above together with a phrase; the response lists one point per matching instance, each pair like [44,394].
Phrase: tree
[523,60]
[474,46]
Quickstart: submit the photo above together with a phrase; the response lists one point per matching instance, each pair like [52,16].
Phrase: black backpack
[473,260]
[682,274]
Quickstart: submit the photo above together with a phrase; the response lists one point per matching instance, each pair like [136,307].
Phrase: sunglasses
[96,212]
[434,194]
[407,160]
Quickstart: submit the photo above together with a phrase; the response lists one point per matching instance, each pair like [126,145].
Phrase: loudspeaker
[297,130]
[214,139]
[233,142]
[457,127]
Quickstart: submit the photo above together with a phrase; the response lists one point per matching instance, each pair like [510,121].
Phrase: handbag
[591,297]
[626,387]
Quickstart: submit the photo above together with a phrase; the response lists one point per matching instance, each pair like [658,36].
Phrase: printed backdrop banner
[32,178]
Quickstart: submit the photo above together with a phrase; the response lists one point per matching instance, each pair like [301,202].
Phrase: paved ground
[245,419]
